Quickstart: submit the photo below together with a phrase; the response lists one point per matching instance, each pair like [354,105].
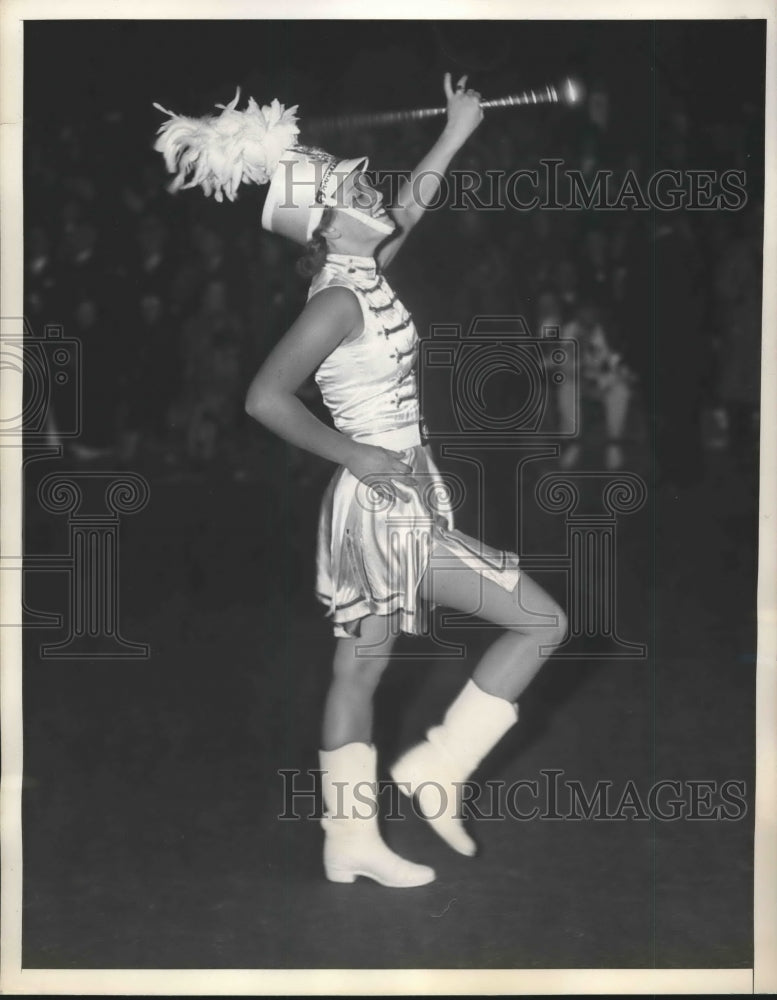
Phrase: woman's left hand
[464,110]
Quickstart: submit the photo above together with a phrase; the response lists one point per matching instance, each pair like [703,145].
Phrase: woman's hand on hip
[383,470]
[370,460]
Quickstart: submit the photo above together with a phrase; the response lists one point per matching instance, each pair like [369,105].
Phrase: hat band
[322,191]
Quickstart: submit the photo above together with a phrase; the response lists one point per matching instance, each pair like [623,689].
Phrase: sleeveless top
[372,556]
[369,384]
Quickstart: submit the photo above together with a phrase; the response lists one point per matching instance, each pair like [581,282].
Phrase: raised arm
[420,189]
[327,319]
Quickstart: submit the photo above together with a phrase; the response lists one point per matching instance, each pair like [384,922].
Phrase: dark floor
[151,837]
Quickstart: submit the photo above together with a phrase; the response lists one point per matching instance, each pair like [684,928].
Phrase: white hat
[304,183]
[259,146]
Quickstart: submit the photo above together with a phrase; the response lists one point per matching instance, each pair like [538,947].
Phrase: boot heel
[337,875]
[353,845]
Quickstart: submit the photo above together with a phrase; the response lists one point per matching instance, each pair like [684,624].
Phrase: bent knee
[555,634]
[553,630]
[548,623]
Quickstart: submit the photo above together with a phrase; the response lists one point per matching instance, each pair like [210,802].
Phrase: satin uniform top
[369,384]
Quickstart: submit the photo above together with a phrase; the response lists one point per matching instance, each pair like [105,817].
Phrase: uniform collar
[363,267]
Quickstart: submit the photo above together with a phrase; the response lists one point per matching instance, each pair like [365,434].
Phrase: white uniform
[373,548]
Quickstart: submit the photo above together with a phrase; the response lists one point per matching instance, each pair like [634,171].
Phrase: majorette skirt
[375,541]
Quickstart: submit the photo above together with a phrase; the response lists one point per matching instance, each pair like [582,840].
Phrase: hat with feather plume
[258,145]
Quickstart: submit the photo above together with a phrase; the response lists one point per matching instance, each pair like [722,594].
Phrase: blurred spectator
[207,262]
[596,272]
[152,262]
[594,142]
[599,376]
[99,381]
[679,360]
[541,253]
[739,301]
[150,376]
[212,390]
[483,287]
[40,282]
[567,284]
[272,298]
[81,273]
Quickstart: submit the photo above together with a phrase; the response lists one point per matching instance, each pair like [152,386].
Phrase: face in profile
[358,193]
[359,202]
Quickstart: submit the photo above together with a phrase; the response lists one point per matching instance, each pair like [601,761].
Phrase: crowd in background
[176,300]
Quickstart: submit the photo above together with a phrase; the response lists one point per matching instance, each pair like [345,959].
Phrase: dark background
[89,66]
[151,791]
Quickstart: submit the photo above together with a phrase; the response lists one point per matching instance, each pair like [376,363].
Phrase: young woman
[387,548]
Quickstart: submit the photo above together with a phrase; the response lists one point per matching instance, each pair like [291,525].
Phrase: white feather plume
[219,152]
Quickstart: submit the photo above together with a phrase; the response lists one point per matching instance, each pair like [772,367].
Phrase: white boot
[353,844]
[434,770]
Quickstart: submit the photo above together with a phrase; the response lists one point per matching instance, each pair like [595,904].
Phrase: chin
[384,221]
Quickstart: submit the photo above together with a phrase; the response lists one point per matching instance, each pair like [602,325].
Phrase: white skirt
[374,546]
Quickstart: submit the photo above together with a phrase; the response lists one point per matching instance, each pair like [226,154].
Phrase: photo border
[16,980]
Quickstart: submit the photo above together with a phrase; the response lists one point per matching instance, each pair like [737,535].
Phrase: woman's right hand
[368,460]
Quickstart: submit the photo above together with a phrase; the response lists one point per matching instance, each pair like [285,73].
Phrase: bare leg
[353,845]
[348,707]
[533,620]
[433,770]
